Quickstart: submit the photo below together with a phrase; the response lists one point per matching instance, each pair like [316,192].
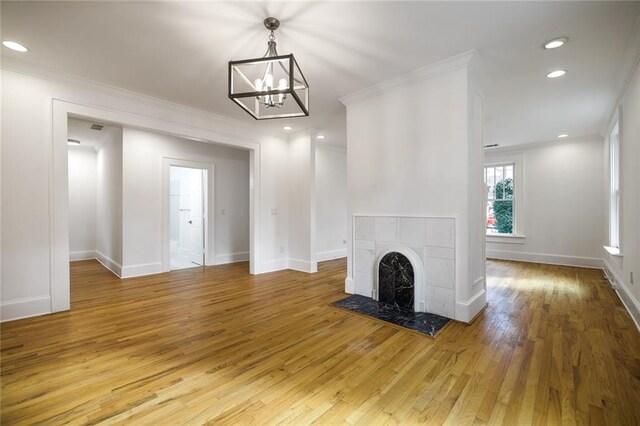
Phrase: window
[501,201]
[614,200]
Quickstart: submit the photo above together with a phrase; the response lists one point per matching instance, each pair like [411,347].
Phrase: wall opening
[187,216]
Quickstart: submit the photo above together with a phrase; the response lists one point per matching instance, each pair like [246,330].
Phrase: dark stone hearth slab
[422,322]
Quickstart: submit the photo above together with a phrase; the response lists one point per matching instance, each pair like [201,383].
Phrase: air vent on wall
[97,127]
[493,145]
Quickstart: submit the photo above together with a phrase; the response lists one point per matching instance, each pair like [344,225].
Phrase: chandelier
[269,87]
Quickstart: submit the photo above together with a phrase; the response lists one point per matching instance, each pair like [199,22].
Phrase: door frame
[61,111]
[208,203]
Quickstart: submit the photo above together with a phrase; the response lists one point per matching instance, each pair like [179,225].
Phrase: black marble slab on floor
[422,322]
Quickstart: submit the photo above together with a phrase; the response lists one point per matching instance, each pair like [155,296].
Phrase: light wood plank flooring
[218,345]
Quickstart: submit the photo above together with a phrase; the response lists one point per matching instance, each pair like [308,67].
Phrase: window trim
[518,235]
[614,186]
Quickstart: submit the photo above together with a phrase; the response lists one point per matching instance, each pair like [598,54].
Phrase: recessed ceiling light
[564,135]
[14,46]
[556,73]
[320,137]
[555,43]
[73,142]
[287,127]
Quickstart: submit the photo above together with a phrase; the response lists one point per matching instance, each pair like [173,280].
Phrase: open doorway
[187,216]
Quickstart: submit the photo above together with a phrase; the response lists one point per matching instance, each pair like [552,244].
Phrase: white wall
[109,202]
[274,217]
[27,144]
[412,145]
[628,263]
[302,210]
[562,211]
[82,202]
[331,202]
[142,197]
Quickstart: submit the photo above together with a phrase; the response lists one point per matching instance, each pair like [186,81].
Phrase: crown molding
[468,59]
[628,67]
[331,147]
[541,144]
[30,70]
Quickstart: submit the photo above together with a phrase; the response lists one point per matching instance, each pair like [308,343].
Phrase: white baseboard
[274,265]
[628,301]
[303,265]
[141,270]
[82,255]
[331,254]
[25,308]
[467,311]
[223,259]
[552,259]
[109,263]
[348,285]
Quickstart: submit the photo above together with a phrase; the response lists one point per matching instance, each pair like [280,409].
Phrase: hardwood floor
[218,345]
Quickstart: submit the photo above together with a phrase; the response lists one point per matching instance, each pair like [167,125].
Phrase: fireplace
[408,261]
[396,281]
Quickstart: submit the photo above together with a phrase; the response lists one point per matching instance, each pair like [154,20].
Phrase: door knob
[190,222]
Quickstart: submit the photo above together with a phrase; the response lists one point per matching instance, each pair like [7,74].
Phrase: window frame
[614,186]
[501,159]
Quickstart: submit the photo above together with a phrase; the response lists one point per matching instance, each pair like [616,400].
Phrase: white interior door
[196,219]
[187,213]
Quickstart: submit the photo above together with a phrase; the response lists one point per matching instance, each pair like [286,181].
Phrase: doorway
[187,217]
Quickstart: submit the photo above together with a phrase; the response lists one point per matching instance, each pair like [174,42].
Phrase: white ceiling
[179,51]
[81,130]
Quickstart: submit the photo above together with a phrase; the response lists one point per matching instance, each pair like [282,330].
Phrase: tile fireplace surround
[429,244]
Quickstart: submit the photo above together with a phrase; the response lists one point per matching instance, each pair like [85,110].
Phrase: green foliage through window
[503,209]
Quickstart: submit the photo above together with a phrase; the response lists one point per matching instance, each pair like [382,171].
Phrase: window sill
[506,238]
[613,251]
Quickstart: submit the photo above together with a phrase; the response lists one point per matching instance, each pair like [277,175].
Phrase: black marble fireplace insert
[396,281]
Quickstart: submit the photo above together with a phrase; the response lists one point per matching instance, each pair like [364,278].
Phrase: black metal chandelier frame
[296,82]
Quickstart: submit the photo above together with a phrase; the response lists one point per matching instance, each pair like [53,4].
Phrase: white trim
[109,263]
[425,216]
[505,239]
[274,265]
[516,158]
[331,147]
[551,259]
[223,259]
[24,308]
[331,254]
[82,255]
[517,148]
[59,185]
[628,301]
[22,67]
[303,265]
[613,251]
[460,61]
[141,270]
[348,285]
[467,311]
